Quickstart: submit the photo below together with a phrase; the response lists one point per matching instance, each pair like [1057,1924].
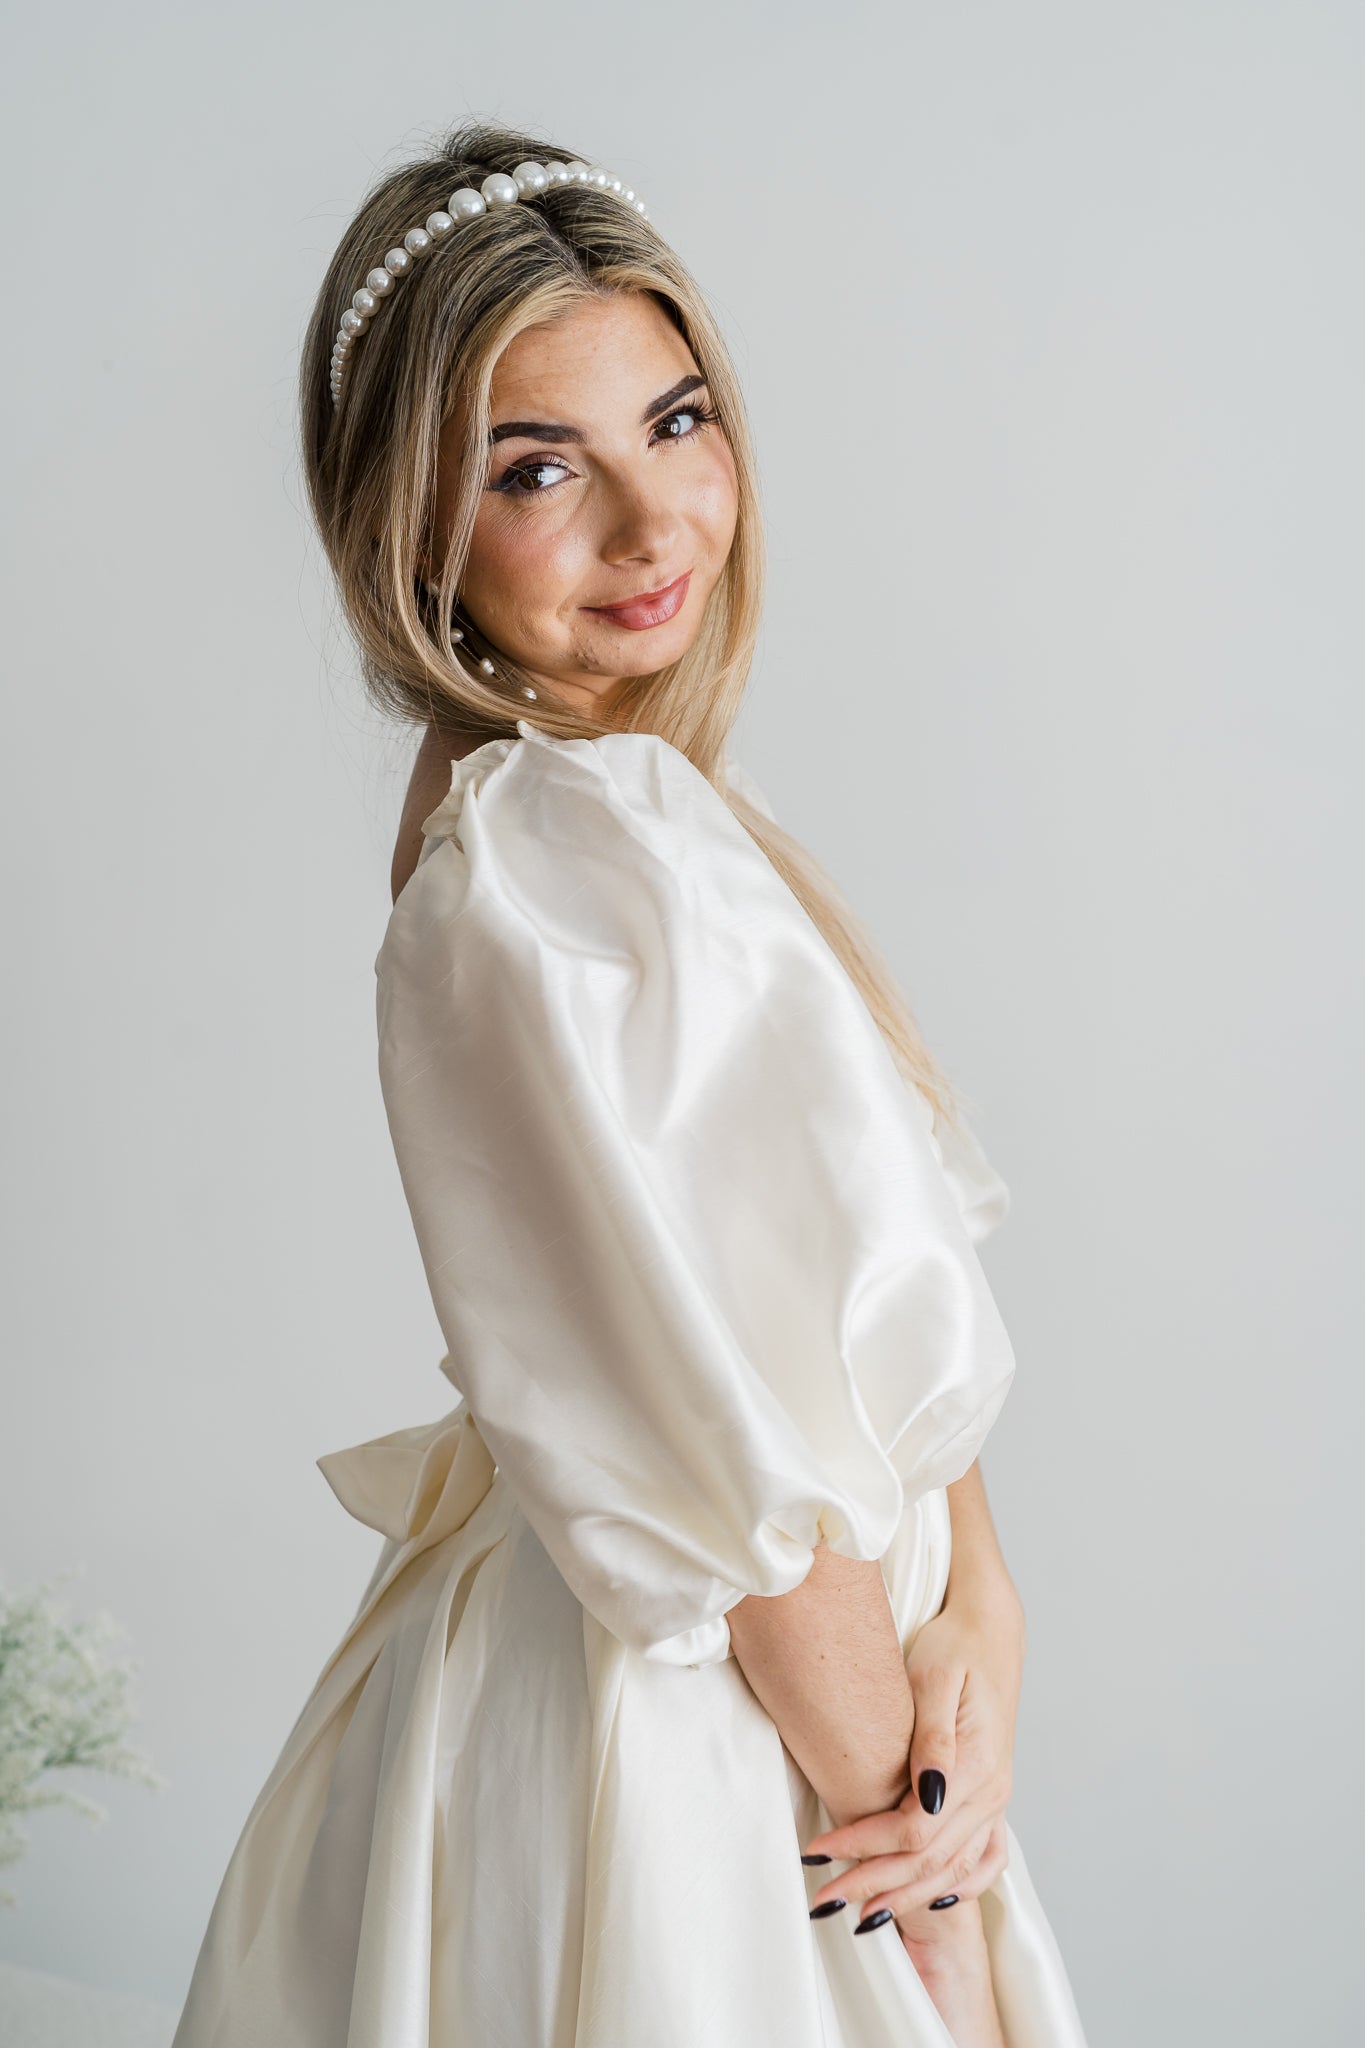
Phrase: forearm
[978,1577]
[826,1662]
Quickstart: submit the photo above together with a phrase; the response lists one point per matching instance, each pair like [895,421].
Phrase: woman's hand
[965,1668]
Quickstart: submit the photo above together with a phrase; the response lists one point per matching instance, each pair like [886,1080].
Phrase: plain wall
[1051,322]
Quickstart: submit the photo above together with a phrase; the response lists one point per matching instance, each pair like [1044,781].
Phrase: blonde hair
[371,470]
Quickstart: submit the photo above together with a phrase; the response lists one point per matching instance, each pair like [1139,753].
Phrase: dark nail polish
[949,1899]
[817,1859]
[932,1786]
[877,1920]
[830,1906]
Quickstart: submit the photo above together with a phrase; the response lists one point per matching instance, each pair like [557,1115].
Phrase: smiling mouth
[649,609]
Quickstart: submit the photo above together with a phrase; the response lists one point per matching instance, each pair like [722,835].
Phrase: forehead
[618,349]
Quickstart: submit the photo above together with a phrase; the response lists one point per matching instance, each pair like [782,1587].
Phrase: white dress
[705,1267]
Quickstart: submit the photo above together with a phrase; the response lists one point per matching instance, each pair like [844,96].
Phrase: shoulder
[615,848]
[428,784]
[572,795]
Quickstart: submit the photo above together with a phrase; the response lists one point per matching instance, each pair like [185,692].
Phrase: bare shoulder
[427,785]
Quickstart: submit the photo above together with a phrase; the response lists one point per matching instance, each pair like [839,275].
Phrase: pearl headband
[527,181]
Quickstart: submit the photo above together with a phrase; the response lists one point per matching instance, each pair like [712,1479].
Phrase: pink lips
[650,609]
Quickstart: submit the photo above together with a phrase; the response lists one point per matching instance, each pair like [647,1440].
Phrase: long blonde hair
[371,470]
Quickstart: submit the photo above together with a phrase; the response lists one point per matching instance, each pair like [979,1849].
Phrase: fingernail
[950,1899]
[817,1859]
[932,1786]
[877,1920]
[830,1906]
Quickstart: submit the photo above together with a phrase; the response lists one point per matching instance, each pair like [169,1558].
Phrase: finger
[915,1859]
[922,1930]
[903,1829]
[956,1876]
[876,1834]
[937,1690]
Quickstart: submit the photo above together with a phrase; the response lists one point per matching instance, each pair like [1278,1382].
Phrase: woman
[680,1704]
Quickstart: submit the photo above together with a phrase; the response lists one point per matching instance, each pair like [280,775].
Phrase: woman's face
[610,501]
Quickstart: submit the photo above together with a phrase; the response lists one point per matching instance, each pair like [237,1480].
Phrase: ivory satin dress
[705,1266]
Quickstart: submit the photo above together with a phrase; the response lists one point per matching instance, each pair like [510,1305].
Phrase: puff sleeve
[696,1252]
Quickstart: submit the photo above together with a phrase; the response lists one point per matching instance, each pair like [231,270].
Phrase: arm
[826,1662]
[602,1010]
[979,1584]
[965,1669]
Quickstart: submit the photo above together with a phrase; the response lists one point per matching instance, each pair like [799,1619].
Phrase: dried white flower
[64,1705]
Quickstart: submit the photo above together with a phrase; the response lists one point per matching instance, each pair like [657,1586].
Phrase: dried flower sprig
[64,1706]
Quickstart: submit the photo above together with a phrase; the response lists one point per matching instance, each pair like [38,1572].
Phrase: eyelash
[697,409]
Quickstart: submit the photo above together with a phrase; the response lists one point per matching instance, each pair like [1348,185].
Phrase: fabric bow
[417,1485]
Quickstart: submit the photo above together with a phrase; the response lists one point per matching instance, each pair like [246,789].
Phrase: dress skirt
[494,1825]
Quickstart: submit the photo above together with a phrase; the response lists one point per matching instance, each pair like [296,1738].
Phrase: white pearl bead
[456,634]
[365,303]
[527,691]
[439,224]
[343,344]
[615,185]
[416,240]
[529,177]
[352,322]
[380,281]
[466,204]
[556,172]
[397,261]
[487,666]
[577,170]
[640,207]
[499,190]
[627,195]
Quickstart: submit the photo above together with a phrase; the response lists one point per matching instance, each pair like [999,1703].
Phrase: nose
[641,522]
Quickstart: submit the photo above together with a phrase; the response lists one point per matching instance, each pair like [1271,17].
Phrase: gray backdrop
[1051,319]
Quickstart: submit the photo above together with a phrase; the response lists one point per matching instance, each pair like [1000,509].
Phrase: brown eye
[529,477]
[686,421]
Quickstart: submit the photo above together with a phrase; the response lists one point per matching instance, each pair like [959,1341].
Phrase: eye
[529,479]
[685,421]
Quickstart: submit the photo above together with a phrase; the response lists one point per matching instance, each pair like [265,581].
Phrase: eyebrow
[555,430]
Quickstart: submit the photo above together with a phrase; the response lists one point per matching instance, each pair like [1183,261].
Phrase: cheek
[714,503]
[519,569]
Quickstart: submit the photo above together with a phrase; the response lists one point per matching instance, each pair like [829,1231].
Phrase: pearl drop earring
[457,634]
